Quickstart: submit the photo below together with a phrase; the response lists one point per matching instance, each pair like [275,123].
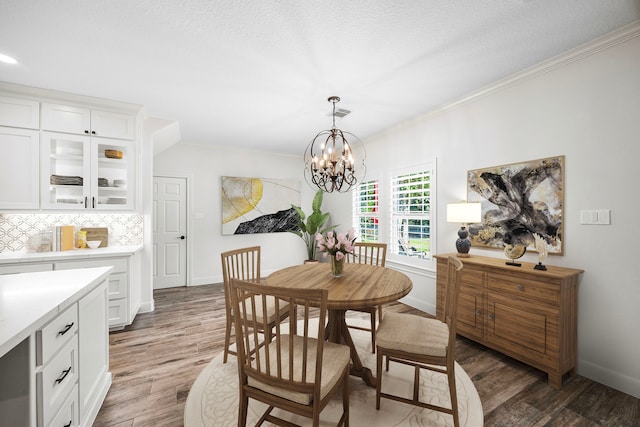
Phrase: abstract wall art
[518,200]
[258,205]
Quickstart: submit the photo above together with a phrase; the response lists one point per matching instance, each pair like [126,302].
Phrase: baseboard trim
[419,304]
[147,307]
[613,379]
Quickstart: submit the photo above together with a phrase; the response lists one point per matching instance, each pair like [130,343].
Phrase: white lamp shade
[464,213]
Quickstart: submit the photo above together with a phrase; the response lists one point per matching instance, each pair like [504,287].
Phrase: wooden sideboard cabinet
[527,314]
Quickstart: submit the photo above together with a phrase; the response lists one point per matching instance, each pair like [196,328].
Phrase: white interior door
[169,232]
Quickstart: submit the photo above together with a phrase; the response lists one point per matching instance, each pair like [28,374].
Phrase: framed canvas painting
[258,205]
[518,200]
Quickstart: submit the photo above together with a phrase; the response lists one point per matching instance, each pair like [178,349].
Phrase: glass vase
[336,266]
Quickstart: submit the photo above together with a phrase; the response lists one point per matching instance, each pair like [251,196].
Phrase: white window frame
[359,213]
[417,258]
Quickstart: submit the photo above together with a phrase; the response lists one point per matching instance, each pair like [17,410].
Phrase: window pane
[365,211]
[410,214]
[368,229]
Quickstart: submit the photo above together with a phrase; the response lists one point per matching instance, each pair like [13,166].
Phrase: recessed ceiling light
[7,59]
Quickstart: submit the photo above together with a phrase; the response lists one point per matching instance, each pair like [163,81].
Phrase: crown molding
[605,42]
[49,95]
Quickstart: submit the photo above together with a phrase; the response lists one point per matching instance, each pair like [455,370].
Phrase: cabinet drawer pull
[66,328]
[64,375]
[86,131]
[520,287]
[477,312]
[490,316]
[68,424]
[93,132]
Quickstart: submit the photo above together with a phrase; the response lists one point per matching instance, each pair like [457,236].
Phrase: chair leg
[373,331]
[243,407]
[379,376]
[451,374]
[345,397]
[227,338]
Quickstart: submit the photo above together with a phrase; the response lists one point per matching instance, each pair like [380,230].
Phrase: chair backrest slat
[368,253]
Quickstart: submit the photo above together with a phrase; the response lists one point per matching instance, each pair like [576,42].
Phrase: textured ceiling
[257,73]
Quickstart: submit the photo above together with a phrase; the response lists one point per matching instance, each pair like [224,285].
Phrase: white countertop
[15,257]
[29,300]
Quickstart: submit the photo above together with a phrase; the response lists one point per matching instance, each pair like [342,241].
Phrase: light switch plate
[595,216]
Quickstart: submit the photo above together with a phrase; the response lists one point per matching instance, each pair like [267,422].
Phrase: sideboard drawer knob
[520,287]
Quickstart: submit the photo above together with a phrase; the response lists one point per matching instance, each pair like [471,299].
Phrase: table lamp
[464,213]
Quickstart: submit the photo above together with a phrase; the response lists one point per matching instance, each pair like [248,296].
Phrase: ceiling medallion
[331,162]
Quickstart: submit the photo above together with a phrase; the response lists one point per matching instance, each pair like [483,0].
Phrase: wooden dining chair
[372,254]
[242,264]
[296,372]
[423,343]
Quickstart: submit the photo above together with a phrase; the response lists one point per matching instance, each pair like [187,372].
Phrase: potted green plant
[313,225]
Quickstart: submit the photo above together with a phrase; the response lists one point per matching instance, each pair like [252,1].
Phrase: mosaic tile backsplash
[15,229]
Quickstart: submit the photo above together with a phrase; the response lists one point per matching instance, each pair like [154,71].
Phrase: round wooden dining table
[360,286]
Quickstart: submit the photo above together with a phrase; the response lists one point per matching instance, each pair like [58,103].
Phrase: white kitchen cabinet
[93,350]
[20,113]
[56,379]
[54,348]
[19,171]
[28,116]
[90,122]
[77,174]
[123,290]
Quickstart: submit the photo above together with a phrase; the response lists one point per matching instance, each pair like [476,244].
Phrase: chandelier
[331,162]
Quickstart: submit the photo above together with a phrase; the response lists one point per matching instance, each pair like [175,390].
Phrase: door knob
[182,237]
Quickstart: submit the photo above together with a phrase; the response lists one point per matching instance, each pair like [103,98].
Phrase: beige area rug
[213,399]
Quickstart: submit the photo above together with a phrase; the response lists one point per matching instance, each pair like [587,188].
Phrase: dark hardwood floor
[156,359]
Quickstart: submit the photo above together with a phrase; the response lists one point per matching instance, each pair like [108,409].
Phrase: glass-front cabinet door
[81,172]
[112,174]
[66,171]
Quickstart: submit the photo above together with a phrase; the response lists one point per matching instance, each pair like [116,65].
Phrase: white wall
[588,109]
[203,166]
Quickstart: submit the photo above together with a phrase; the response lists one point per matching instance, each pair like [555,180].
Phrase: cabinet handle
[93,202]
[66,328]
[490,316]
[93,132]
[85,202]
[478,313]
[68,424]
[64,375]
[86,131]
[520,287]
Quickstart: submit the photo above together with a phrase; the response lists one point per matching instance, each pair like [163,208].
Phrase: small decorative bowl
[94,244]
[113,154]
